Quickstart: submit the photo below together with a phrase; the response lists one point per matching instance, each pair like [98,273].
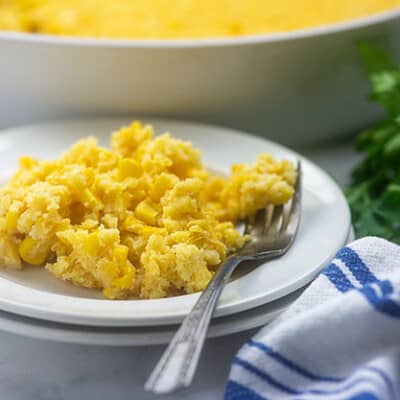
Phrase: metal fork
[272,232]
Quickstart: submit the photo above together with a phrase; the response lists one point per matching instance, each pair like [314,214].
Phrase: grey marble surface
[32,369]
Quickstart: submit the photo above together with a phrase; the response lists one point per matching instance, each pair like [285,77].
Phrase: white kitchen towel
[339,340]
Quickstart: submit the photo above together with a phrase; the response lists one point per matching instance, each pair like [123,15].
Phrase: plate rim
[138,336]
[71,317]
[20,325]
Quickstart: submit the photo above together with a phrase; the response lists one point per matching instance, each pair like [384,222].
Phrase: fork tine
[285,218]
[294,213]
[288,215]
[269,210]
[256,223]
[247,227]
[275,220]
[252,222]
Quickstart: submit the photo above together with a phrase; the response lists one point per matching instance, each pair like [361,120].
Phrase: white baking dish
[292,87]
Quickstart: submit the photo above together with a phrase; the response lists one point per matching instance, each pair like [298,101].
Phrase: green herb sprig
[374,192]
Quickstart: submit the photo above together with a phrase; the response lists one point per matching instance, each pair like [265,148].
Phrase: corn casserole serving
[178,19]
[142,219]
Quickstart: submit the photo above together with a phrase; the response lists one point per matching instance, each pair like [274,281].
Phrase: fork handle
[177,366]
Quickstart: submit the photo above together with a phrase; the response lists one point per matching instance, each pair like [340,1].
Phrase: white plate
[324,228]
[141,336]
[138,336]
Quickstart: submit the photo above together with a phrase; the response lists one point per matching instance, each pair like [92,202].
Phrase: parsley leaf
[374,192]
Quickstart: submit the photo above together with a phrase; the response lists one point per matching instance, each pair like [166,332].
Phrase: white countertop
[33,369]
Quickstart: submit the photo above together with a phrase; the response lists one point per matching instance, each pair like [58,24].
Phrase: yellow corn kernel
[33,252]
[152,230]
[88,198]
[12,221]
[108,273]
[129,168]
[91,244]
[146,212]
[90,176]
[132,224]
[163,183]
[120,254]
[125,281]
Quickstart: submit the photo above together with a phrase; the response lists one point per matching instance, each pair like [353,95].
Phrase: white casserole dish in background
[295,88]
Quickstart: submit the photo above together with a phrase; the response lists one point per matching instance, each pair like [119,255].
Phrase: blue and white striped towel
[339,340]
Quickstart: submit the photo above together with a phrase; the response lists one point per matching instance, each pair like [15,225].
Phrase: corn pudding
[144,218]
[162,19]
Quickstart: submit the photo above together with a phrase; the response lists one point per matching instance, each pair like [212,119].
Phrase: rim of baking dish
[354,24]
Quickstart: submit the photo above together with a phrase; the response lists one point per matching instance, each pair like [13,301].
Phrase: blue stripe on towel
[236,391]
[338,278]
[290,364]
[357,267]
[364,396]
[382,303]
[289,390]
[265,377]
[385,378]
[358,396]
[312,376]
[386,287]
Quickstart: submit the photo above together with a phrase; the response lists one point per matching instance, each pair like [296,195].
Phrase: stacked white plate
[34,303]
